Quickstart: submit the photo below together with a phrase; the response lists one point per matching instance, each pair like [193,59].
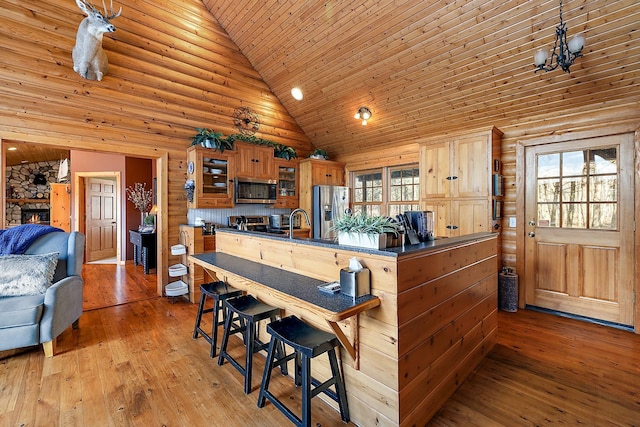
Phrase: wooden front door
[580,227]
[101,227]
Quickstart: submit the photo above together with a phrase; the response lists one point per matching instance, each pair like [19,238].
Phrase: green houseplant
[284,152]
[319,153]
[362,230]
[209,138]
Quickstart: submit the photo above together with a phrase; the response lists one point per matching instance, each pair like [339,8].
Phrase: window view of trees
[578,189]
[386,191]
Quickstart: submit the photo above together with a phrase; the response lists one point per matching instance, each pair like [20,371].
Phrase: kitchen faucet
[296,210]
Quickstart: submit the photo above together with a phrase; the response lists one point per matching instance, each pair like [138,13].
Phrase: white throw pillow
[26,274]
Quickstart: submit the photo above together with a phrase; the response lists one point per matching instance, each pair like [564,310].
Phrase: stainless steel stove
[252,223]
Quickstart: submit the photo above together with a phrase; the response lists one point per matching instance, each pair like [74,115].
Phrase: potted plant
[284,152]
[362,230]
[141,199]
[209,138]
[319,153]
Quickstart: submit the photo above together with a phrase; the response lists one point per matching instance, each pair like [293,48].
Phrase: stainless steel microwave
[253,190]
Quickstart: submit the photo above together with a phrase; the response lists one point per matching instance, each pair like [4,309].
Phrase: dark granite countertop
[301,287]
[391,252]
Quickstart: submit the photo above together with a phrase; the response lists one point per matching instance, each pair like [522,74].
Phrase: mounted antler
[89,60]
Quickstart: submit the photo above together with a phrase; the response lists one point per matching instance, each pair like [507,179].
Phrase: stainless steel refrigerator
[329,202]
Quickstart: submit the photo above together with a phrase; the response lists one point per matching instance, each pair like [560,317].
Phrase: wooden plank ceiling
[19,153]
[429,67]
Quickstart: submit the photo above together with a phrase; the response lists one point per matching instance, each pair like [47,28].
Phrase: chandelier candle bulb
[576,43]
[540,57]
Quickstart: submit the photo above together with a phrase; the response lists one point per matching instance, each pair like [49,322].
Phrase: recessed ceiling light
[297,93]
[12,148]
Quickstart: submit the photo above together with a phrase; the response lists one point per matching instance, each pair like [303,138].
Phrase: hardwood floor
[548,370]
[107,285]
[136,364]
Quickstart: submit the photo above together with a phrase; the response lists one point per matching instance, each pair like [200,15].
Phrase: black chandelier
[563,53]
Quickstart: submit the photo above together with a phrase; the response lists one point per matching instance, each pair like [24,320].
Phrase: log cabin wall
[172,68]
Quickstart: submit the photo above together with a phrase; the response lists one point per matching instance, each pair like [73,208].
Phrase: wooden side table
[144,249]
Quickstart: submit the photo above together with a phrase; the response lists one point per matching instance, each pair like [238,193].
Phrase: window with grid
[387,191]
[578,189]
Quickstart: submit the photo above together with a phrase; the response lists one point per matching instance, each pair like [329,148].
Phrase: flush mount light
[296,93]
[363,114]
[563,53]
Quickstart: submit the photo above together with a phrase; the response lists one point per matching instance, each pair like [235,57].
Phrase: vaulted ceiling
[429,67]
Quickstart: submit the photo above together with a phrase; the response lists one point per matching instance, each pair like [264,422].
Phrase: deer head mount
[89,60]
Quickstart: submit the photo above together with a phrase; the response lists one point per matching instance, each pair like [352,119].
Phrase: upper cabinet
[212,173]
[288,182]
[321,172]
[457,181]
[254,161]
[317,172]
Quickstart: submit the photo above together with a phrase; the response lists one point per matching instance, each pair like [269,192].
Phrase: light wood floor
[136,364]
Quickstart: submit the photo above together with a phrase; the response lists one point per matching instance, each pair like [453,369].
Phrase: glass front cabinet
[212,173]
[287,171]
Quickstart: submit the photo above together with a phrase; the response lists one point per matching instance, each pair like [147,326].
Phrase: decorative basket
[177,270]
[178,250]
[175,289]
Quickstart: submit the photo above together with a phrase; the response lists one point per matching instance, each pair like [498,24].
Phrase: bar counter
[434,319]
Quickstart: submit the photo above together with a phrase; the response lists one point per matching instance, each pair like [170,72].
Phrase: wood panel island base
[435,321]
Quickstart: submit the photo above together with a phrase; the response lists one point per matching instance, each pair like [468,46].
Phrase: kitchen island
[435,319]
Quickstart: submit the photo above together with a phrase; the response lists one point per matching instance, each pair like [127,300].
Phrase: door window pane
[603,216]
[549,190]
[548,214]
[603,188]
[574,215]
[548,165]
[574,189]
[573,163]
[603,161]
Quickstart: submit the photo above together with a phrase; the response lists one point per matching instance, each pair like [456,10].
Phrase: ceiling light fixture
[563,53]
[12,149]
[363,114]
[296,93]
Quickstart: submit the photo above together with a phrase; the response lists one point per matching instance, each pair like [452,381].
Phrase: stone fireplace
[27,196]
[34,216]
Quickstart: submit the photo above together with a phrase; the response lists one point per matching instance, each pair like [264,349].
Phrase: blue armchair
[34,319]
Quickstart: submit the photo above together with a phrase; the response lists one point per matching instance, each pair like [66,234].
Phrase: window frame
[385,204]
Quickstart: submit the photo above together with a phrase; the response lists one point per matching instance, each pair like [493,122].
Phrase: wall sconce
[563,53]
[363,114]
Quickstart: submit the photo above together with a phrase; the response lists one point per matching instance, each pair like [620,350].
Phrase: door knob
[532,223]
[532,234]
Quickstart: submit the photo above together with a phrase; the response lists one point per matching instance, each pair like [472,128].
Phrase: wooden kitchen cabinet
[255,161]
[457,180]
[288,183]
[322,172]
[212,173]
[60,206]
[317,172]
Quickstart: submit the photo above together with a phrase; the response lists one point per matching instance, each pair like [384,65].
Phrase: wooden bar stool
[307,342]
[249,311]
[219,292]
